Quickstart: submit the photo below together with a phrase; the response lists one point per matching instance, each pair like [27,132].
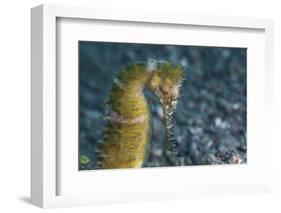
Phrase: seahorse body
[127,134]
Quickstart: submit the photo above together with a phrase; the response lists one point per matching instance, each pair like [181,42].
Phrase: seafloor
[211,113]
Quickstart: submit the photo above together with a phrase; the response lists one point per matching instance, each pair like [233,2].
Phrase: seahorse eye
[164,90]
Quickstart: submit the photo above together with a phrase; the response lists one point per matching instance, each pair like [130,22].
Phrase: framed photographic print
[132,105]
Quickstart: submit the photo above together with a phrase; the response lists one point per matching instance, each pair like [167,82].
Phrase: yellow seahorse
[127,134]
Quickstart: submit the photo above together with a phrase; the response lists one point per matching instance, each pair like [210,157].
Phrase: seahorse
[126,138]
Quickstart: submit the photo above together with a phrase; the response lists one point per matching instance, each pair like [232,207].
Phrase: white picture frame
[45,165]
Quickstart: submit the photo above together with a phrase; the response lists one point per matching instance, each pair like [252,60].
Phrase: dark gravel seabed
[210,121]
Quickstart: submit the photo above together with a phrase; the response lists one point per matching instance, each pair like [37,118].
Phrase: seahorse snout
[168,112]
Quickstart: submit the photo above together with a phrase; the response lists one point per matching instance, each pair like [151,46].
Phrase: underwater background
[211,113]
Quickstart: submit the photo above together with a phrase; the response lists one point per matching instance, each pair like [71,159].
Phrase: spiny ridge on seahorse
[127,133]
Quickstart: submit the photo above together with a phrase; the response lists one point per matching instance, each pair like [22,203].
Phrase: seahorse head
[166,80]
[165,83]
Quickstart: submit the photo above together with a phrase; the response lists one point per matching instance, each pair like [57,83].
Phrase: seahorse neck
[127,98]
[135,78]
